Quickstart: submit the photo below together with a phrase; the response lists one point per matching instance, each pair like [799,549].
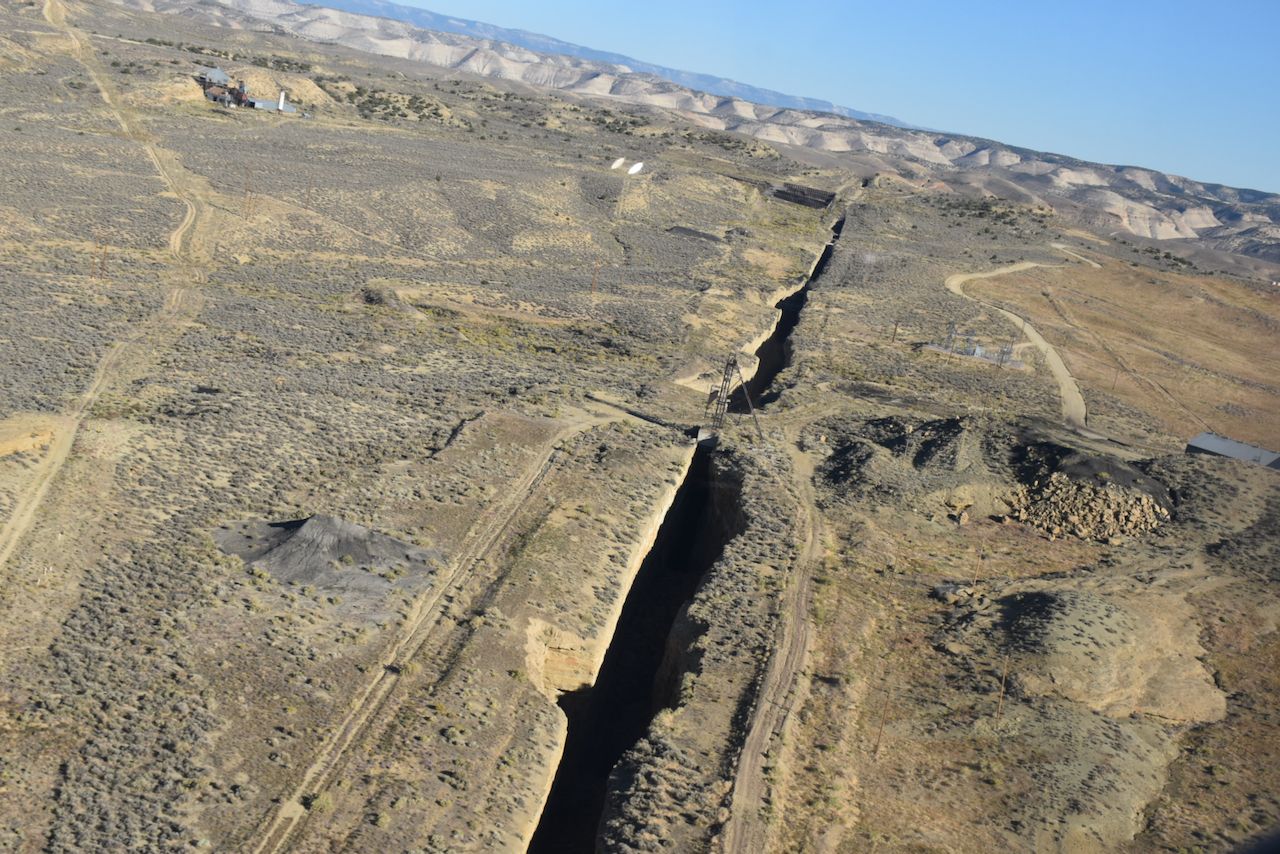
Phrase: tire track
[1121,364]
[179,304]
[274,834]
[781,688]
[1073,406]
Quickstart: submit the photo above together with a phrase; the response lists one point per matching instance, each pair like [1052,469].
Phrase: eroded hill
[1243,225]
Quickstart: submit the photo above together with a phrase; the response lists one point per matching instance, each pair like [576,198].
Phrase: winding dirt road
[1073,408]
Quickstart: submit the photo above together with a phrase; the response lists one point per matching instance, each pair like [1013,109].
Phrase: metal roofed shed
[1221,446]
[271,106]
[214,76]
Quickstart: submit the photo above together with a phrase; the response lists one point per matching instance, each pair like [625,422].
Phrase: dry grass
[1194,351]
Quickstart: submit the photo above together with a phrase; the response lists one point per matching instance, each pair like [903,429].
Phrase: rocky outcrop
[1062,506]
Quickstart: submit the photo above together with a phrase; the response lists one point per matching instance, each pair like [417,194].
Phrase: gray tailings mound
[351,564]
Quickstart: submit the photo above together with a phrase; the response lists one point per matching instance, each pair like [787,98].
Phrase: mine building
[213,77]
[1221,446]
[281,105]
[219,95]
[216,84]
[217,87]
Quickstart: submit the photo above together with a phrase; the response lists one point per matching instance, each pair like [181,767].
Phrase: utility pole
[1004,678]
[99,265]
[747,396]
[247,203]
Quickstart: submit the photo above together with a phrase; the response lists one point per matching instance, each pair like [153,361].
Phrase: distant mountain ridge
[546,44]
[1108,199]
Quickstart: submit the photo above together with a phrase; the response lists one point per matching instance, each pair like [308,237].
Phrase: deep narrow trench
[775,352]
[609,717]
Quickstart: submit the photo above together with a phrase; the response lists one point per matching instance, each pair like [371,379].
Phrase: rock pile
[1061,505]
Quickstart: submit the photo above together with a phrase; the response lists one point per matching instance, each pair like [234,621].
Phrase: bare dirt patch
[1200,362]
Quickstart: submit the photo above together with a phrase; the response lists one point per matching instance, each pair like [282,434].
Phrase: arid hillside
[378,476]
[1174,212]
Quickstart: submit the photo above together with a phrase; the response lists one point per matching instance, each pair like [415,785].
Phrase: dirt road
[180,304]
[1076,255]
[781,690]
[783,686]
[1073,408]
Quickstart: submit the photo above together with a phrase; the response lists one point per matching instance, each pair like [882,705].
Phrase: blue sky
[1186,87]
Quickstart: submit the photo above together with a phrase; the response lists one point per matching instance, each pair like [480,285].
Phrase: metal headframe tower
[720,397]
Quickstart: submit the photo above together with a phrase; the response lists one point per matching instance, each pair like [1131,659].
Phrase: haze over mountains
[1141,202]
[546,44]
